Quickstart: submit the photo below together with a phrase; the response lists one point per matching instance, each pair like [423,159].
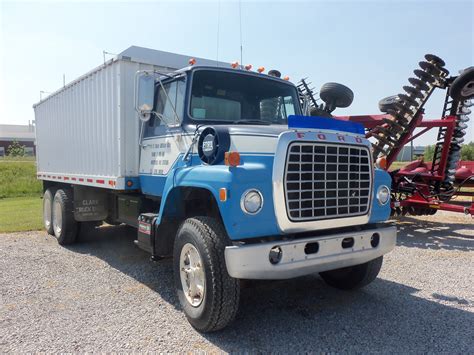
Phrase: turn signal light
[381,163]
[192,61]
[261,69]
[232,159]
[223,194]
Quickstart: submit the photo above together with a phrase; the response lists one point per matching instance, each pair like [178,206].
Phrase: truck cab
[290,194]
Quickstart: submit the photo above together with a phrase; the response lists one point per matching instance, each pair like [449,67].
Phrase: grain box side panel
[77,128]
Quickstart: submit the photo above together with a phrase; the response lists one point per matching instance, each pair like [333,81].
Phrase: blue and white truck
[218,168]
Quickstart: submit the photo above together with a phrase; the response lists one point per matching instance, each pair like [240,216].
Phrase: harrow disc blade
[424,76]
[413,92]
[435,60]
[417,83]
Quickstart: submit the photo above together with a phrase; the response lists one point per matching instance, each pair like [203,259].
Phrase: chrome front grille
[324,181]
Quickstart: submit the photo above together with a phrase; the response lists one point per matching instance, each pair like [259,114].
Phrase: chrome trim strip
[252,261]
[284,223]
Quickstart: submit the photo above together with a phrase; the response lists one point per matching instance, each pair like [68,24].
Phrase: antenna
[64,80]
[218,28]
[107,53]
[43,92]
[240,19]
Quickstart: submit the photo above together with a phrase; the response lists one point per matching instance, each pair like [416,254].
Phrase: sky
[370,46]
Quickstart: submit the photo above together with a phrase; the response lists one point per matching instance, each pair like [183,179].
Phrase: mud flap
[90,204]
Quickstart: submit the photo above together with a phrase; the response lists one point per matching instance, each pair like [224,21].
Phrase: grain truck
[219,167]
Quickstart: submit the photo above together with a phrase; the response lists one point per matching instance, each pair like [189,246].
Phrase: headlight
[252,201]
[383,194]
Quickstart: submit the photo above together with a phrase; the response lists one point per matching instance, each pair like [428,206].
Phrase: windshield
[233,97]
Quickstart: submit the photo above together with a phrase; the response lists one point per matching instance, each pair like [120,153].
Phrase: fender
[380,213]
[255,172]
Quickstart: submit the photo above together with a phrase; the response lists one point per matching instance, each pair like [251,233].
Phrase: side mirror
[145,93]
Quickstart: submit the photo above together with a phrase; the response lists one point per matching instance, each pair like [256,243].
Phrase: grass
[8,159]
[18,178]
[20,195]
[20,214]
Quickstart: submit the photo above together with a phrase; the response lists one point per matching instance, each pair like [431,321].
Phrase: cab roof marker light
[261,70]
[234,64]
[286,78]
[192,61]
[248,67]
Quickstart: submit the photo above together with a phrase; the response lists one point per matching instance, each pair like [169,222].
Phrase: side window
[164,113]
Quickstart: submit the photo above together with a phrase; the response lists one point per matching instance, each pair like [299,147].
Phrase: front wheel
[353,277]
[208,295]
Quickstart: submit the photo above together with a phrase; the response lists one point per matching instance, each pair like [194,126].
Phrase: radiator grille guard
[324,181]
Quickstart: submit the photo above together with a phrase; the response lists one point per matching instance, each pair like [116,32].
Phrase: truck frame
[218,167]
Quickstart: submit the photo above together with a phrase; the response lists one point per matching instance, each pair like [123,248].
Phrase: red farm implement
[420,188]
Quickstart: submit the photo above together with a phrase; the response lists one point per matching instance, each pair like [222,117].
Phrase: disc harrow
[407,108]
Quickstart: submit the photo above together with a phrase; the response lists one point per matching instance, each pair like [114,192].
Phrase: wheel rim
[57,218]
[468,89]
[47,212]
[192,275]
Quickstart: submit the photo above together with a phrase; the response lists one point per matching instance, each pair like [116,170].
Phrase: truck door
[162,142]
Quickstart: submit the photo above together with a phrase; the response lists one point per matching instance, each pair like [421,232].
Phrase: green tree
[429,152]
[467,151]
[16,149]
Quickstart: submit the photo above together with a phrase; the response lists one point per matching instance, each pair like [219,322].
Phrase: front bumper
[252,261]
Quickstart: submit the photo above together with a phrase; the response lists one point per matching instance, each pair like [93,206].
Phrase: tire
[388,103]
[462,87]
[336,95]
[64,225]
[353,277]
[218,302]
[48,198]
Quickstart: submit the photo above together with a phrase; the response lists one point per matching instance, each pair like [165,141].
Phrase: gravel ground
[105,295]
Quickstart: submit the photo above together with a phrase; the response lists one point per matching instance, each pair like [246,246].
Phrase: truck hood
[260,130]
[261,139]
[239,129]
[251,139]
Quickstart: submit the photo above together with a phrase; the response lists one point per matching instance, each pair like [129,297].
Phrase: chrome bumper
[252,261]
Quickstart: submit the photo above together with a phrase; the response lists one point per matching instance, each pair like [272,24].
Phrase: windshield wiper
[252,122]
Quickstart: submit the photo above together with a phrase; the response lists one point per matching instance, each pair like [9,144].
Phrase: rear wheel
[48,198]
[353,277]
[208,295]
[64,225]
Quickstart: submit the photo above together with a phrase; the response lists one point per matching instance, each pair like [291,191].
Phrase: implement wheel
[462,87]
